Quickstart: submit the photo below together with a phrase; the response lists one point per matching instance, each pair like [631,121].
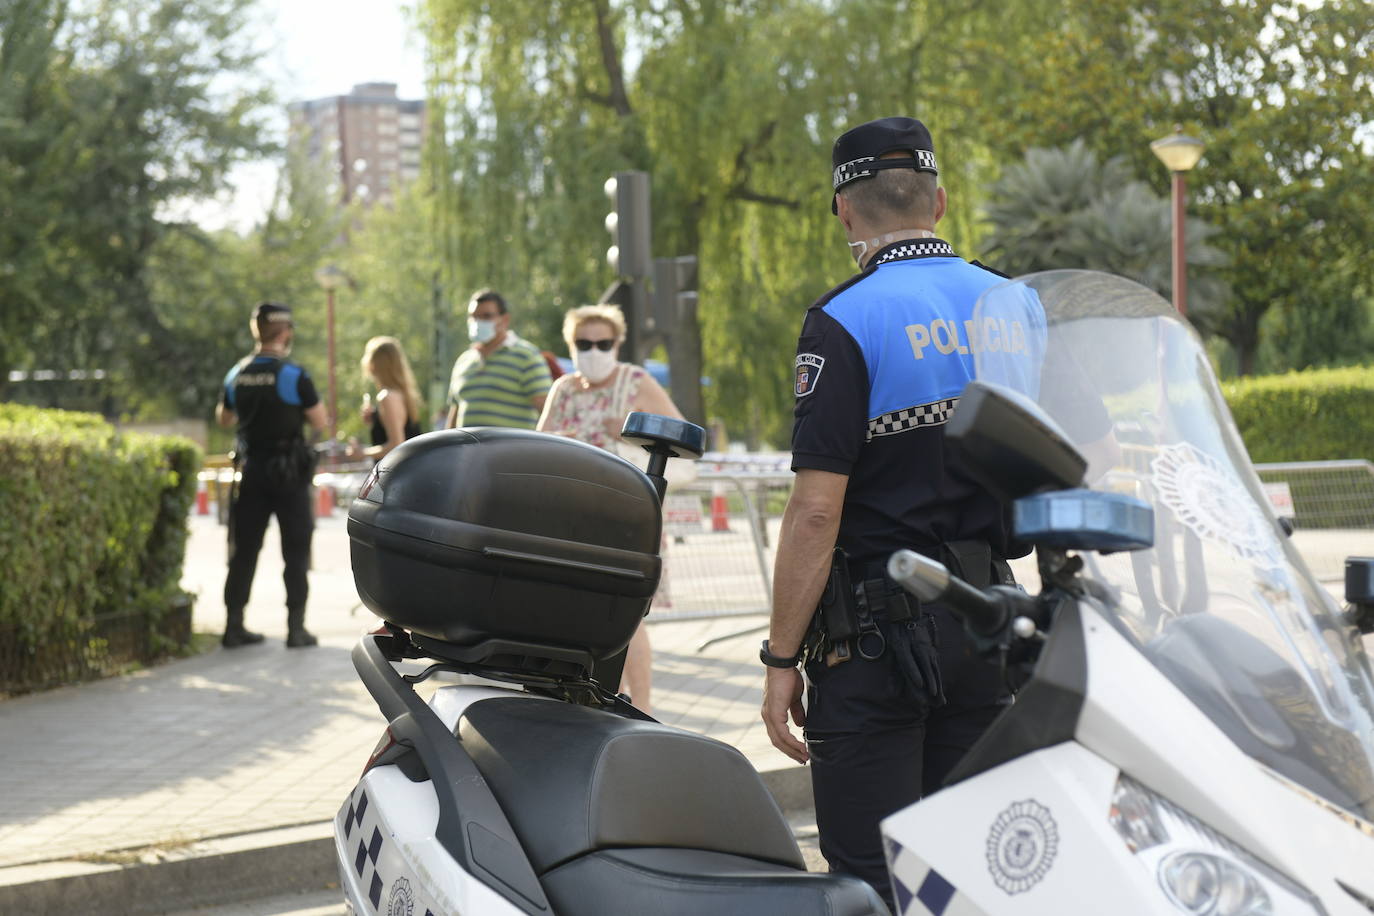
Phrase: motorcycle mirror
[1359,592]
[1011,445]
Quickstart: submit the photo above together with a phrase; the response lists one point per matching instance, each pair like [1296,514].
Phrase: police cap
[271,312]
[857,150]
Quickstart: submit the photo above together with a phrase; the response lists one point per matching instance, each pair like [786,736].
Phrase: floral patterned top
[589,414]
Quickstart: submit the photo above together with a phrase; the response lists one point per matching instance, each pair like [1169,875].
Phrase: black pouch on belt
[969,560]
[838,615]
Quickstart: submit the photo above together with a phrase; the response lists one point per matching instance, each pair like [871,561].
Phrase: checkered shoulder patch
[936,413]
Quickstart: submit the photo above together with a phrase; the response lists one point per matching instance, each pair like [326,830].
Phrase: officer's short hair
[489,295]
[893,193]
[270,321]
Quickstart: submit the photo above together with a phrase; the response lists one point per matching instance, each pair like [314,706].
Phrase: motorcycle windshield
[1222,604]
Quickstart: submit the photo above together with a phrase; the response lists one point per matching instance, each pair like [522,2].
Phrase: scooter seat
[690,882]
[574,781]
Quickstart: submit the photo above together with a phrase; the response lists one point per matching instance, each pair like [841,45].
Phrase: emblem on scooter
[1021,846]
[402,902]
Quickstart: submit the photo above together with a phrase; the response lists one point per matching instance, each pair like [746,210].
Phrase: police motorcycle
[519,564]
[1194,729]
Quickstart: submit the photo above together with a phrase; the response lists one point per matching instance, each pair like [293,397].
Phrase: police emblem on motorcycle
[1022,846]
[402,900]
[1206,496]
[809,367]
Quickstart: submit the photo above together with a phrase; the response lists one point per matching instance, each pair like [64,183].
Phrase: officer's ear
[844,213]
[941,201]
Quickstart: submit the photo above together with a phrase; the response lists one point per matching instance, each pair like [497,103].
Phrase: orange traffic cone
[324,501]
[720,510]
[202,498]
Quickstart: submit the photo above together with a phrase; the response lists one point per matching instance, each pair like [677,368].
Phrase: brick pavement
[260,737]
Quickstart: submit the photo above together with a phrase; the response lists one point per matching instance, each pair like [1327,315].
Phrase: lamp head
[1178,152]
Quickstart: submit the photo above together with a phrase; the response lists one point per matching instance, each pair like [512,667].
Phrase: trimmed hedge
[1317,415]
[92,543]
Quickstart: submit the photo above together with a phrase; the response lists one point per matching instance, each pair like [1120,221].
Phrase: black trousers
[875,749]
[259,498]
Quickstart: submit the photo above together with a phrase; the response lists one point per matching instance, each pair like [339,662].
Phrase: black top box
[507,544]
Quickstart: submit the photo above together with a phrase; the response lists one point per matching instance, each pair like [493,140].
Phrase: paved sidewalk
[260,737]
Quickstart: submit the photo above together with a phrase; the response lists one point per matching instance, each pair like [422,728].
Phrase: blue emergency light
[1084,520]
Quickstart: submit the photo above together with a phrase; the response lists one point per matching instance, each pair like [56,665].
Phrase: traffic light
[628,224]
[675,291]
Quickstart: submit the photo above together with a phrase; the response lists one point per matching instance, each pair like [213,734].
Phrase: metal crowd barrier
[721,530]
[1331,504]
[720,537]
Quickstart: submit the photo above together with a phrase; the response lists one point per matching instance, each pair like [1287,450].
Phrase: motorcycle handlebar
[931,582]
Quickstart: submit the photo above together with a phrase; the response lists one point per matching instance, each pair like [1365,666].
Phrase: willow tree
[731,107]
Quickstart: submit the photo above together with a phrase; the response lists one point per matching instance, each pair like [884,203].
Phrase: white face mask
[481,330]
[594,365]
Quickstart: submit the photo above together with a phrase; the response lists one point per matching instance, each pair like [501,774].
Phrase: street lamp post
[330,278]
[1179,154]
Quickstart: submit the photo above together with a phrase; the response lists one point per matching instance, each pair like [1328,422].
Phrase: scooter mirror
[1011,445]
[680,438]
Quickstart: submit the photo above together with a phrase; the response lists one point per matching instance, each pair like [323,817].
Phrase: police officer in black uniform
[895,695]
[269,397]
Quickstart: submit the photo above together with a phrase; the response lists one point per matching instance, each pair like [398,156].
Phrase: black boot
[234,633]
[297,636]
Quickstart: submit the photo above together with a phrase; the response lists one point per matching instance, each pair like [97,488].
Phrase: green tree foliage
[393,260]
[1280,92]
[202,288]
[111,112]
[1063,209]
[731,106]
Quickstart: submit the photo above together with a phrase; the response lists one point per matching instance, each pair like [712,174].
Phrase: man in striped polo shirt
[501,380]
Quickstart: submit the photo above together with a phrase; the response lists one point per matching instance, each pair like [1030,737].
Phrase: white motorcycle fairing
[1033,835]
[1197,735]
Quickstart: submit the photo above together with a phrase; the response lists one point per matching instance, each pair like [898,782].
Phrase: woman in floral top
[590,405]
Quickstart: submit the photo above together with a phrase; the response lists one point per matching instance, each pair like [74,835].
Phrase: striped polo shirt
[497,391]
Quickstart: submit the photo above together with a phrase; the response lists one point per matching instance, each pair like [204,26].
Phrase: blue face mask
[481,330]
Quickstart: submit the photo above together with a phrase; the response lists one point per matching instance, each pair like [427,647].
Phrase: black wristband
[777,661]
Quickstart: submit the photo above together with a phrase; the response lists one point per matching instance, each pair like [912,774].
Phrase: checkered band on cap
[849,171]
[935,413]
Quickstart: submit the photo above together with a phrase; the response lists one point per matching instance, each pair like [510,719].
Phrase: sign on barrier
[682,514]
[1280,498]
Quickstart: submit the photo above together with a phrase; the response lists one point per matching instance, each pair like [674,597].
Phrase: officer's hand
[782,693]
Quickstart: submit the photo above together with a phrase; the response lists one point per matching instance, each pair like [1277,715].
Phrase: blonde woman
[590,405]
[395,413]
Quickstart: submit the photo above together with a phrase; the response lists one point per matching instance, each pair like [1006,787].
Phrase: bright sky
[313,49]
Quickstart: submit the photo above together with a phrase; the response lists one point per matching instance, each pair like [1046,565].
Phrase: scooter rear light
[386,743]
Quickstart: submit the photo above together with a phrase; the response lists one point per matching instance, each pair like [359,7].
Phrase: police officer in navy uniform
[896,699]
[269,398]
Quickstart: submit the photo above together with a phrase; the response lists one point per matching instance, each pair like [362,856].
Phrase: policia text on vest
[997,335]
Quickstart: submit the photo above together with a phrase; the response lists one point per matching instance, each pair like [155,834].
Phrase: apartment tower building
[370,139]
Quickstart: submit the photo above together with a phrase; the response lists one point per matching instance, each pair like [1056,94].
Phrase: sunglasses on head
[604,346]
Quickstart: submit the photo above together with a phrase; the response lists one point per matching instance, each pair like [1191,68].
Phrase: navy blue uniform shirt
[881,362]
[270,396]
